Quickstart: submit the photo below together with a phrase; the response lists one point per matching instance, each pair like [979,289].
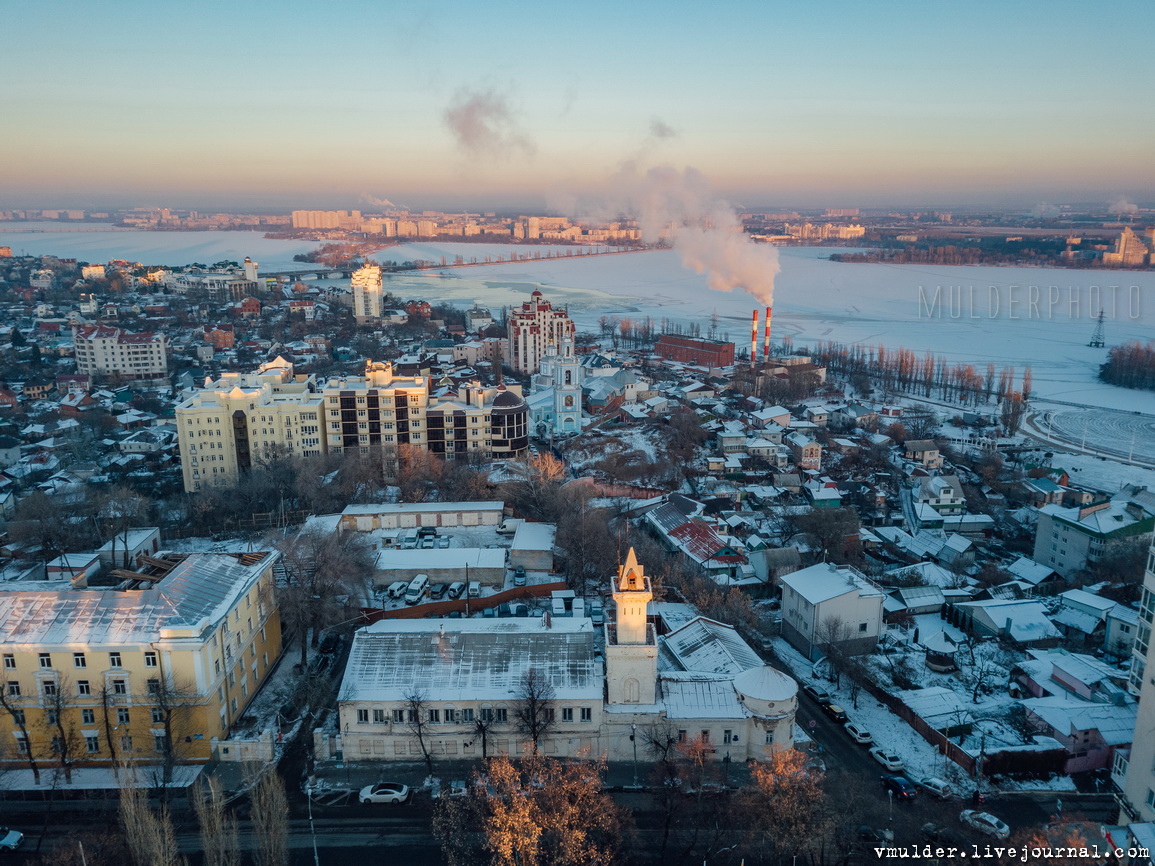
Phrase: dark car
[427,531]
[834,711]
[330,643]
[504,609]
[902,787]
[438,590]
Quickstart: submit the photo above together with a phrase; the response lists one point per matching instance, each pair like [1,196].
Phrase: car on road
[873,835]
[902,787]
[937,787]
[817,692]
[835,712]
[384,792]
[985,823]
[858,733]
[10,840]
[888,759]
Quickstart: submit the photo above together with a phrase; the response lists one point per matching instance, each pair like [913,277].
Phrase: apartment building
[367,292]
[240,419]
[112,352]
[1069,539]
[149,672]
[533,328]
[1134,769]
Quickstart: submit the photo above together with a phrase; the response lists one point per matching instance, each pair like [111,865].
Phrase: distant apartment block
[688,350]
[112,352]
[367,293]
[533,327]
[326,219]
[1069,539]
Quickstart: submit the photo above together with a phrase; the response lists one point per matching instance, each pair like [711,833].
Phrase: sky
[507,104]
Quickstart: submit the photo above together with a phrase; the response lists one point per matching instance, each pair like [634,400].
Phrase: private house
[924,452]
[827,602]
[1020,621]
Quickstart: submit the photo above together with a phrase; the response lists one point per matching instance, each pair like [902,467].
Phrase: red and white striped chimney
[766,343]
[754,339]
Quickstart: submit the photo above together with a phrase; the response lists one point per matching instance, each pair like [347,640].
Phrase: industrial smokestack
[766,343]
[754,339]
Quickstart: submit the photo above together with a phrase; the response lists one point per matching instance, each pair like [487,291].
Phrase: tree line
[1131,365]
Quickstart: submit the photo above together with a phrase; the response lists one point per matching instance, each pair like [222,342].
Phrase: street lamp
[634,740]
[890,799]
[312,830]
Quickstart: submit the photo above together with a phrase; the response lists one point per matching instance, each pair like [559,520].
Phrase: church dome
[507,400]
[764,683]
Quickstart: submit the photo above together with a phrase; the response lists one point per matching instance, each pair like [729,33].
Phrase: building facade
[690,350]
[533,328]
[1134,771]
[368,290]
[1069,539]
[112,352]
[148,673]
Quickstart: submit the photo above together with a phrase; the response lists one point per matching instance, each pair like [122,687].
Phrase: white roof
[448,557]
[764,683]
[824,581]
[1026,569]
[132,539]
[705,646]
[1115,724]
[699,697]
[533,536]
[422,507]
[939,707]
[473,660]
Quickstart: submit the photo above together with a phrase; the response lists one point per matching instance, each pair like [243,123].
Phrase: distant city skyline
[493,106]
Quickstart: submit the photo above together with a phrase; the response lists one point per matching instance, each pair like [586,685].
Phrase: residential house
[828,602]
[925,452]
[807,452]
[1020,621]
[1071,539]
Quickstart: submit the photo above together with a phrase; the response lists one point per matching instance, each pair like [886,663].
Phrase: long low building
[443,565]
[406,515]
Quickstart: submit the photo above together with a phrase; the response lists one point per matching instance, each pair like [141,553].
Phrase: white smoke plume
[659,129]
[484,124]
[382,203]
[1123,207]
[681,208]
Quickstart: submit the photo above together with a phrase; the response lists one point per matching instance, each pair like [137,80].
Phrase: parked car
[519,576]
[834,711]
[520,609]
[10,840]
[503,610]
[427,530]
[985,823]
[887,758]
[330,643]
[902,787]
[489,611]
[456,788]
[456,588]
[858,733]
[428,542]
[937,787]
[443,542]
[397,588]
[876,836]
[384,792]
[438,590]
[817,692]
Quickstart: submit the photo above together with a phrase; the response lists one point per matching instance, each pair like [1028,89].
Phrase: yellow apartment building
[148,672]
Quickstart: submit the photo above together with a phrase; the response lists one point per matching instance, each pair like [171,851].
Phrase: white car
[858,733]
[10,840]
[888,759]
[985,823]
[385,792]
[937,787]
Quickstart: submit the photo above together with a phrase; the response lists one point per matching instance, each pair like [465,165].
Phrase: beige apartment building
[367,293]
[112,352]
[150,672]
[241,419]
[533,328]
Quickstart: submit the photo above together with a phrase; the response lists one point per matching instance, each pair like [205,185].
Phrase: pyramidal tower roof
[631,568]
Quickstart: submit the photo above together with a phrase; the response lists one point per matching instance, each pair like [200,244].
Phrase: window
[435,717]
[862,627]
[450,716]
[153,687]
[1151,798]
[120,687]
[705,736]
[486,714]
[13,690]
[770,738]
[21,745]
[362,717]
[92,744]
[122,716]
[88,717]
[378,717]
[49,687]
[9,661]
[57,745]
[567,714]
[114,660]
[587,714]
[45,660]
[150,660]
[158,742]
[83,688]
[398,717]
[126,743]
[157,715]
[727,737]
[52,717]
[18,716]
[681,736]
[467,716]
[79,661]
[500,715]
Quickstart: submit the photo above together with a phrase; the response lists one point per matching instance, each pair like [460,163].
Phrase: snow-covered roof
[705,646]
[1029,571]
[471,659]
[697,697]
[533,536]
[824,581]
[422,507]
[1027,619]
[1082,598]
[1115,724]
[939,707]
[764,683]
[439,558]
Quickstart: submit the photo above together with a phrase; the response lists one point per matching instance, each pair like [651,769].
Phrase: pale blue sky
[839,103]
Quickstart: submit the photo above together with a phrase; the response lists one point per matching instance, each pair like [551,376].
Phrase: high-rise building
[1136,768]
[533,327]
[367,292]
[130,357]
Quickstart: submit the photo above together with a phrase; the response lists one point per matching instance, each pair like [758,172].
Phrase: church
[663,676]
[555,406]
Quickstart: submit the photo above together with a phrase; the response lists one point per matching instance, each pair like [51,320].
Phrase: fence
[465,605]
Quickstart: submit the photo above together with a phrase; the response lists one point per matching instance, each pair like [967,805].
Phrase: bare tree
[534,712]
[218,826]
[832,636]
[149,835]
[270,818]
[784,806]
[59,724]
[831,530]
[481,728]
[172,702]
[13,705]
[417,720]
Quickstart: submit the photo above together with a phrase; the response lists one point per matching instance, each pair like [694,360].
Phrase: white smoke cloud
[1123,207]
[659,129]
[382,203]
[681,208]
[484,124]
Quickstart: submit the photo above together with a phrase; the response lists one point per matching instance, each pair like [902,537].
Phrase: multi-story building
[1134,770]
[1069,539]
[150,672]
[689,350]
[135,357]
[326,219]
[828,602]
[533,327]
[367,293]
[241,419]
[1130,251]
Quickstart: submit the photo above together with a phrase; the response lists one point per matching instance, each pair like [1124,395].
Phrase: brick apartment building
[688,350]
